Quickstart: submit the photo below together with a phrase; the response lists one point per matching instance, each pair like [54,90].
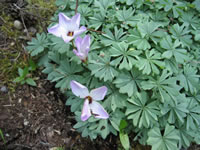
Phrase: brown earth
[35,118]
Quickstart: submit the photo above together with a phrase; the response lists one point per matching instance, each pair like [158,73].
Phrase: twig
[76,6]
[96,31]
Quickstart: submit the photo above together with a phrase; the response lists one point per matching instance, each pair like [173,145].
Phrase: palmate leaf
[110,38]
[101,68]
[142,113]
[124,58]
[147,30]
[193,116]
[125,16]
[167,141]
[175,112]
[169,5]
[38,44]
[189,19]
[138,39]
[197,4]
[173,50]
[75,102]
[59,45]
[150,62]
[116,100]
[104,4]
[129,82]
[189,79]
[63,71]
[185,136]
[182,34]
[165,85]
[97,20]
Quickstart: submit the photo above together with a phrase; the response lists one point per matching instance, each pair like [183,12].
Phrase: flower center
[70,33]
[89,99]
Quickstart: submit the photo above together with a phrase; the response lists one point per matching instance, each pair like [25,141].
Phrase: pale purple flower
[90,106]
[67,28]
[83,47]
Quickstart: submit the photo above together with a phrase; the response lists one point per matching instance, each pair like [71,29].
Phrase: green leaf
[176,112]
[150,62]
[124,58]
[75,102]
[97,20]
[167,141]
[124,139]
[147,29]
[123,124]
[38,44]
[110,38]
[189,19]
[125,15]
[192,119]
[2,136]
[32,65]
[182,34]
[189,79]
[31,82]
[165,85]
[138,39]
[197,4]
[102,68]
[59,45]
[129,82]
[142,113]
[20,72]
[172,49]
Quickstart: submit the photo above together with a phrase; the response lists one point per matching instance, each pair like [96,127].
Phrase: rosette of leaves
[147,54]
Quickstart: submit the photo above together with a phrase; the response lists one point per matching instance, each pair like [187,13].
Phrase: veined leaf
[129,82]
[109,38]
[151,62]
[167,141]
[102,68]
[172,50]
[124,58]
[38,44]
[142,113]
[182,34]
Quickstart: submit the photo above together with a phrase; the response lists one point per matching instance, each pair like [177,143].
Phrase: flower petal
[85,43]
[80,55]
[79,31]
[64,21]
[98,111]
[78,89]
[75,21]
[99,93]
[66,38]
[86,113]
[78,42]
[57,30]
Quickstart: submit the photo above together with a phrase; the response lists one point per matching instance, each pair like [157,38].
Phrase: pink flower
[91,106]
[67,28]
[83,47]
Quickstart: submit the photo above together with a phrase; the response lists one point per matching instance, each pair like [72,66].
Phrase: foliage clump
[146,52]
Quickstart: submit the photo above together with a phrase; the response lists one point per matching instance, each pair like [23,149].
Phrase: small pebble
[4,89]
[17,24]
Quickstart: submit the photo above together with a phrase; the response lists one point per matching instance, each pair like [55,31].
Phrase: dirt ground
[35,118]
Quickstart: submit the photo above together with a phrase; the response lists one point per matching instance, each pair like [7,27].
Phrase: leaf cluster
[147,54]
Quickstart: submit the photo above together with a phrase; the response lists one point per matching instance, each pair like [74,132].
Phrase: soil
[35,118]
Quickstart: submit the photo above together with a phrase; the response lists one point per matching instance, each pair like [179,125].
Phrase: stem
[96,31]
[76,6]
